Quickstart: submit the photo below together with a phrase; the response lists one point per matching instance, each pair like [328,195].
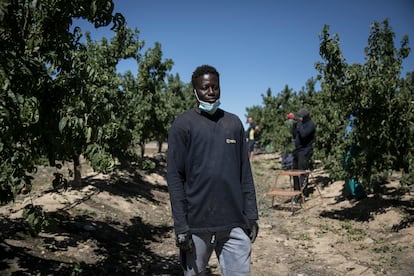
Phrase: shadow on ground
[364,209]
[117,249]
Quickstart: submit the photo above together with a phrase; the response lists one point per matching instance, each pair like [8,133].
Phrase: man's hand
[184,241]
[254,230]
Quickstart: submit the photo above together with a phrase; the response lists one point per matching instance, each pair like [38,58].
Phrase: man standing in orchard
[251,134]
[210,183]
[304,137]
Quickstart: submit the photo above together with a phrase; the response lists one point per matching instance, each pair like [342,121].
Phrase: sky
[258,44]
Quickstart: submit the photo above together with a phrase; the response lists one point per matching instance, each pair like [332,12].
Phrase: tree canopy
[374,94]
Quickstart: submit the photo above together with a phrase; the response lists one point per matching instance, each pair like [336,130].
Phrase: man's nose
[210,91]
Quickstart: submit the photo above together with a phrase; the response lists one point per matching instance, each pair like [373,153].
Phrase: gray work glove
[184,241]
[254,230]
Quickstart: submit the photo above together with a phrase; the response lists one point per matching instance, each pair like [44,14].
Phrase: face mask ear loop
[195,93]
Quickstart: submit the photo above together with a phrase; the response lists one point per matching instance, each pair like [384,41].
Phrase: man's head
[250,119]
[206,84]
[303,114]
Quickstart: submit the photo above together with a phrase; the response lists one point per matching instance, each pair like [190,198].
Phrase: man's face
[208,88]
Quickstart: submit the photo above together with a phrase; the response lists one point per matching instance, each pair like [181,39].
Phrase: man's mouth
[211,100]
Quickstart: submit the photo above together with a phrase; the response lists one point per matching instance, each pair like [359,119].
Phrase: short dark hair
[202,70]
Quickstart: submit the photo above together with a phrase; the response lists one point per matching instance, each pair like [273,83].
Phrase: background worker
[251,134]
[304,138]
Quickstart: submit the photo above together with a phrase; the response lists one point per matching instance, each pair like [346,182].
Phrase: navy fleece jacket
[208,173]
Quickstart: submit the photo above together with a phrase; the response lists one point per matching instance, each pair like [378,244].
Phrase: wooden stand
[289,192]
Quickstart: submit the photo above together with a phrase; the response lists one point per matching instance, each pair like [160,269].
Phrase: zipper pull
[213,238]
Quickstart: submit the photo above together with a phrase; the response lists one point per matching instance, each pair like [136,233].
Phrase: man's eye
[214,88]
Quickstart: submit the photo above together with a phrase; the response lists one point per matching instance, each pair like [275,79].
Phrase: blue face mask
[210,108]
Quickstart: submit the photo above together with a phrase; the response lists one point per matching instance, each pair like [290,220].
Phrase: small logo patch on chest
[230,141]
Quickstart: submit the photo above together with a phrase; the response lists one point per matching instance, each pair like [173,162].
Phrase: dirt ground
[120,224]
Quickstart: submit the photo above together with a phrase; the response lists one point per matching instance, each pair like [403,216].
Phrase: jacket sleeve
[247,183]
[306,129]
[176,177]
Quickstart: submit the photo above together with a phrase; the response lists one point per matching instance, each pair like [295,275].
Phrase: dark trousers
[301,162]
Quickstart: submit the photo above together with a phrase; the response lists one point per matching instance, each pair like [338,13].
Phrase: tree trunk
[142,146]
[159,146]
[77,179]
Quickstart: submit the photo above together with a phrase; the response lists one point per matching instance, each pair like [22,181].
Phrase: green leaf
[88,134]
[62,123]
